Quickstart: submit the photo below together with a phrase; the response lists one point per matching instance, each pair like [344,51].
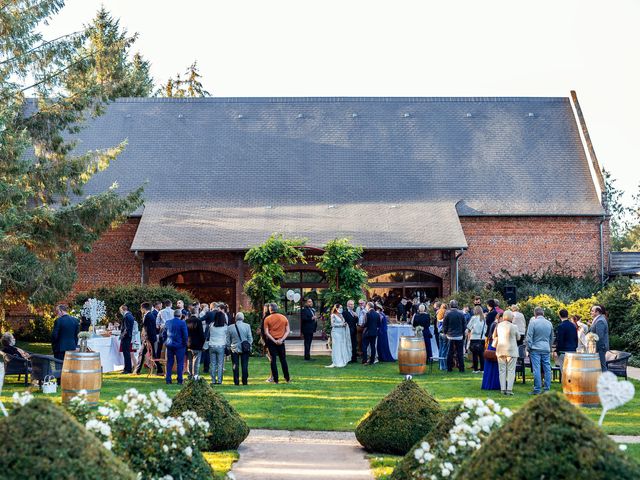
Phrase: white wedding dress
[340,342]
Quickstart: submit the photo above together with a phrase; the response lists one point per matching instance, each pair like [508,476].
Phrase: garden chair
[521,368]
[43,366]
[616,362]
[16,365]
[2,409]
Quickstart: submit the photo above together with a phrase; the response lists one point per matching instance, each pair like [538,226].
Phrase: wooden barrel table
[412,355]
[580,374]
[81,371]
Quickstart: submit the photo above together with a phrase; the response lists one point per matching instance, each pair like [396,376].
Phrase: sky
[403,48]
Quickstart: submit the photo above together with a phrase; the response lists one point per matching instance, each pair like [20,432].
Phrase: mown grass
[335,399]
[382,465]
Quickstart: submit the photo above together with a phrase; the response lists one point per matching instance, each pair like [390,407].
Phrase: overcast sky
[403,48]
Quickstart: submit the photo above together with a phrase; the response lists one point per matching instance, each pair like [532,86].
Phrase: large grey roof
[237,156]
[624,263]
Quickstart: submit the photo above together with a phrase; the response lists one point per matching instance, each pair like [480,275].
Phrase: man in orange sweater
[276,329]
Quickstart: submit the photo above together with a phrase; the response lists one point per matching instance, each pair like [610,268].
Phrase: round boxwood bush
[227,429]
[401,418]
[42,441]
[405,467]
[549,438]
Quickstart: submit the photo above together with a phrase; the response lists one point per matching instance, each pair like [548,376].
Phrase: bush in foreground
[41,441]
[408,464]
[549,438]
[401,418]
[227,429]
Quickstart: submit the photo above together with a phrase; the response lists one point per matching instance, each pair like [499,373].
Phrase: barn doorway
[205,286]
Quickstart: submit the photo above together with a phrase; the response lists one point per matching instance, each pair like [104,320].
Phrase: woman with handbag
[240,342]
[506,337]
[217,343]
[491,377]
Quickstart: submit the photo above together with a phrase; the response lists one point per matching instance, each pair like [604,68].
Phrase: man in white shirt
[361,311]
[520,322]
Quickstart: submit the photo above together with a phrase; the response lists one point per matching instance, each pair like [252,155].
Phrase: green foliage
[191,86]
[550,305]
[131,295]
[41,229]
[466,297]
[630,340]
[405,467]
[346,279]
[557,282]
[227,429]
[36,329]
[40,440]
[619,298]
[549,438]
[401,418]
[467,281]
[104,59]
[582,307]
[267,272]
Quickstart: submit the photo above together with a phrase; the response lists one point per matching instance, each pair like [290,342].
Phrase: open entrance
[307,283]
[205,286]
[390,288]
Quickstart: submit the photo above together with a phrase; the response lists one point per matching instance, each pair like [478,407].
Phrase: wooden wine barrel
[412,355]
[580,373]
[81,371]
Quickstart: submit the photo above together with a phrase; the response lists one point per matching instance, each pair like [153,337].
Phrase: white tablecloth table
[394,332]
[111,358]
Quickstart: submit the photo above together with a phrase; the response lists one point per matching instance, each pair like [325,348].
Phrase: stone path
[633,372]
[625,438]
[284,455]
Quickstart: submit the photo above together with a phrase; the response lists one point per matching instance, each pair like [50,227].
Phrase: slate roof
[231,158]
[624,263]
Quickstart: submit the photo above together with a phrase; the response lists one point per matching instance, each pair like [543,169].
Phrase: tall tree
[44,217]
[190,86]
[105,59]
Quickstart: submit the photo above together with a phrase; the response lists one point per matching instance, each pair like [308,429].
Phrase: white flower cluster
[476,421]
[22,399]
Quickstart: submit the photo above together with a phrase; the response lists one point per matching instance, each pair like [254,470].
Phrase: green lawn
[382,465]
[334,399]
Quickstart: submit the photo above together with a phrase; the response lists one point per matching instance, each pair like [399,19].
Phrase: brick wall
[529,244]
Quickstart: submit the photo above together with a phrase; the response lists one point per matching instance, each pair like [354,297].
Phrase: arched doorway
[309,284]
[205,286]
[391,287]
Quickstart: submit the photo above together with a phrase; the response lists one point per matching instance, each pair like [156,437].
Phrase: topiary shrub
[405,467]
[401,418]
[40,440]
[226,427]
[549,438]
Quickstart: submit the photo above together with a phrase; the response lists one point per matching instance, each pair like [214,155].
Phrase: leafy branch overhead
[267,267]
[346,278]
[44,218]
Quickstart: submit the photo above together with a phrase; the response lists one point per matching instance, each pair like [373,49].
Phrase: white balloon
[296,297]
[290,294]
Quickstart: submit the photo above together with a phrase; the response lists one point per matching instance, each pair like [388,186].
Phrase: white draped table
[394,332]
[110,356]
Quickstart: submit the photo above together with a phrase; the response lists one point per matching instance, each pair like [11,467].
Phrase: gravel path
[284,455]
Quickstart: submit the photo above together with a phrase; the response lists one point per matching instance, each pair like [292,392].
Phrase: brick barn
[427,186]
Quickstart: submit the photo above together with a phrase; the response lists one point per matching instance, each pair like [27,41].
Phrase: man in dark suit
[422,319]
[401,314]
[454,326]
[126,335]
[491,315]
[351,317]
[64,336]
[308,326]
[566,337]
[149,334]
[370,334]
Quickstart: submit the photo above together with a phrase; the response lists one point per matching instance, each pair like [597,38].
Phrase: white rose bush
[137,428]
[472,426]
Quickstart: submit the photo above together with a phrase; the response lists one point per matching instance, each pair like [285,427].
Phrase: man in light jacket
[539,341]
[236,334]
[600,327]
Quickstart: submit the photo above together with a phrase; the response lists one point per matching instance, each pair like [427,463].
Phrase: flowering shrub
[137,428]
[473,425]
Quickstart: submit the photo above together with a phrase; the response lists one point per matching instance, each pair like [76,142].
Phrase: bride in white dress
[340,339]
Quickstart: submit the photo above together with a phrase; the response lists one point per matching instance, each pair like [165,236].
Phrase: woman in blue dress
[491,376]
[384,352]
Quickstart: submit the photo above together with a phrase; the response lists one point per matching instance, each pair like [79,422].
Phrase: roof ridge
[337,99]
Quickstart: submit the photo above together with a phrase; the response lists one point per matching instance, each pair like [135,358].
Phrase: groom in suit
[64,336]
[351,317]
[308,326]
[370,334]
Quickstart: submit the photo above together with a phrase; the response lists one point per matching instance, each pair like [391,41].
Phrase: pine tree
[191,86]
[44,218]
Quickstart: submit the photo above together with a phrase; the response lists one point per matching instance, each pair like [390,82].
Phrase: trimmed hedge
[227,428]
[549,438]
[404,468]
[42,441]
[401,418]
[132,296]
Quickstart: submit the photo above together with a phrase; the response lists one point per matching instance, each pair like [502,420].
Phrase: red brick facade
[517,244]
